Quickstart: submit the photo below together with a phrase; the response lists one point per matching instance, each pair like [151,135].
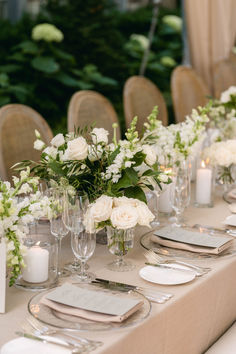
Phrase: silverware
[215,229]
[149,293]
[152,257]
[149,296]
[64,335]
[48,340]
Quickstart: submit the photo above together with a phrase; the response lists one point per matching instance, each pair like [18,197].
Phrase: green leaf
[56,167]
[28,47]
[4,80]
[4,100]
[45,64]
[67,80]
[10,68]
[63,55]
[85,85]
[129,178]
[17,57]
[139,157]
[136,193]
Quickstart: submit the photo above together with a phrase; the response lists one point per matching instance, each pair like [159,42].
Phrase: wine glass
[76,204]
[83,245]
[180,192]
[57,225]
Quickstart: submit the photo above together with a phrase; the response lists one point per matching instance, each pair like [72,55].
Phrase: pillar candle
[203,185]
[36,265]
[164,205]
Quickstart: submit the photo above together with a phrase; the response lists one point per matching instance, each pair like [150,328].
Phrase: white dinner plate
[28,346]
[230,220]
[166,276]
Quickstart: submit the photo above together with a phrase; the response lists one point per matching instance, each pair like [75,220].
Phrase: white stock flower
[150,153]
[124,217]
[225,96]
[94,152]
[25,188]
[101,209]
[77,149]
[99,135]
[145,216]
[39,145]
[58,140]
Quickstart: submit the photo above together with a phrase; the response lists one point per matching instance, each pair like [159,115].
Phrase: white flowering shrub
[47,32]
[16,212]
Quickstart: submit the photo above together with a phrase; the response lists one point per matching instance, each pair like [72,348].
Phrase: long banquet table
[198,313]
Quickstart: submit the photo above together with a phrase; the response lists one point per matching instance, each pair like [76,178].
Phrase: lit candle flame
[203,165]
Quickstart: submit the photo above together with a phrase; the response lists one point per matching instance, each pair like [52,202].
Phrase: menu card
[195,241]
[86,303]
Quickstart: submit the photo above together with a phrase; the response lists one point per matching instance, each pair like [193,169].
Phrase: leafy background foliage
[96,53]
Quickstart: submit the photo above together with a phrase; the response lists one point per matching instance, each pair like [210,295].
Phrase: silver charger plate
[53,318]
[148,244]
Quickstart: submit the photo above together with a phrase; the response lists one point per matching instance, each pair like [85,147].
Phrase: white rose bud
[124,217]
[99,135]
[58,140]
[37,134]
[39,144]
[150,153]
[101,209]
[77,149]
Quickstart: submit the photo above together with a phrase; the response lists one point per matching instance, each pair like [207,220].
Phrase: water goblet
[75,206]
[83,245]
[180,192]
[57,225]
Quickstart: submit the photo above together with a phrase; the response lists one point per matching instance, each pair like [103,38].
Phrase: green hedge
[96,53]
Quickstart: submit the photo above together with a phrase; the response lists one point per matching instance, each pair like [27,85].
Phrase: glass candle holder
[40,271]
[204,185]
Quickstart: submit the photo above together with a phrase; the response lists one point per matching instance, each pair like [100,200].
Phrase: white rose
[77,149]
[39,144]
[99,135]
[51,151]
[225,96]
[101,209]
[124,217]
[150,153]
[58,140]
[125,201]
[145,216]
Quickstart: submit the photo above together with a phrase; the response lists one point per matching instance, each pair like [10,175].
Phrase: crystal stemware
[57,225]
[75,206]
[83,246]
[180,192]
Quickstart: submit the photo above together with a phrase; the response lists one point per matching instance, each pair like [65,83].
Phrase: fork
[80,341]
[152,257]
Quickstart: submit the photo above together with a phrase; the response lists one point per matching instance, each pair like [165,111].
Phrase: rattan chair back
[140,96]
[224,75]
[88,107]
[17,135]
[188,91]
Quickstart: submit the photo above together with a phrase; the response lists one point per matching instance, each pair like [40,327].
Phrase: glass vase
[119,243]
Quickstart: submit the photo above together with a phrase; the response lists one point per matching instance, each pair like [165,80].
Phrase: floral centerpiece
[86,161]
[222,154]
[16,212]
[175,143]
[222,114]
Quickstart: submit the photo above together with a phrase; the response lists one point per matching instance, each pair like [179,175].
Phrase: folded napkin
[91,305]
[191,241]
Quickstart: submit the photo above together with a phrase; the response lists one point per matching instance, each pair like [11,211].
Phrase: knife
[44,340]
[127,287]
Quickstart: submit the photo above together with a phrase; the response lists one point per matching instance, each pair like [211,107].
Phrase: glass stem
[178,214]
[82,269]
[58,256]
